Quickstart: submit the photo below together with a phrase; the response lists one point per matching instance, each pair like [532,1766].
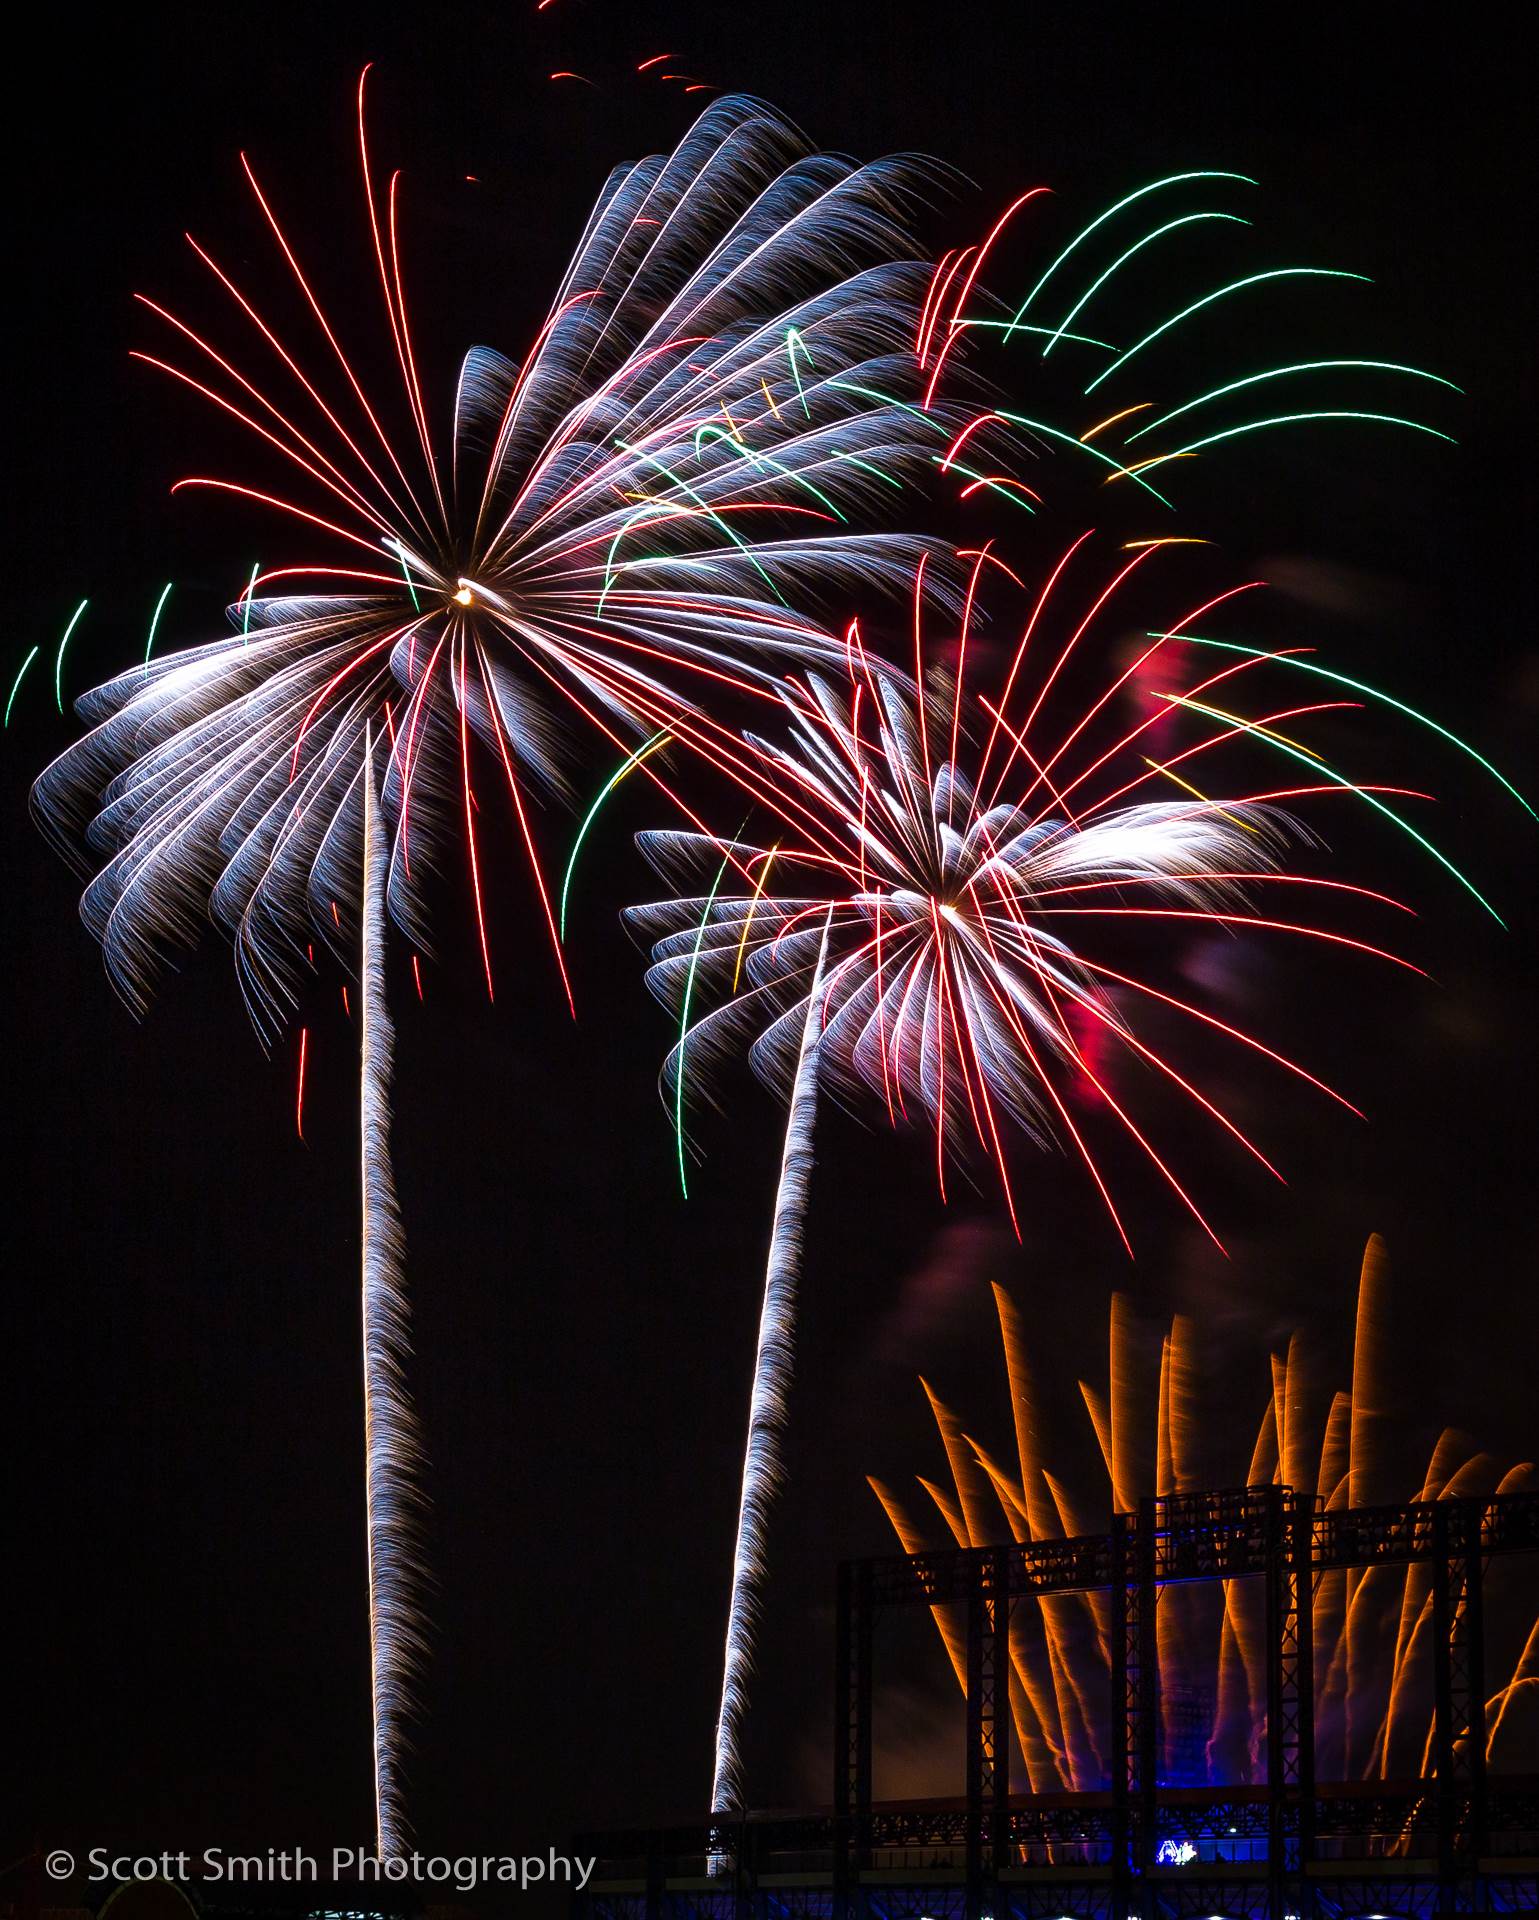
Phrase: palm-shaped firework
[618,527]
[918,936]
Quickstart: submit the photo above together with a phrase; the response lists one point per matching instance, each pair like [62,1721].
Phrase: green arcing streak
[1170,180]
[1359,686]
[1053,433]
[631,760]
[706,508]
[888,400]
[658,509]
[1016,419]
[793,341]
[1234,286]
[763,459]
[1186,220]
[1276,373]
[1320,766]
[58,664]
[689,988]
[16,684]
[1007,327]
[400,554]
[165,595]
[1292,419]
[869,467]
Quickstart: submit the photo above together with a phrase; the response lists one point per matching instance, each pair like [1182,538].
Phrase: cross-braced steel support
[988,1727]
[852,1728]
[1135,1705]
[1289,1578]
[1459,1726]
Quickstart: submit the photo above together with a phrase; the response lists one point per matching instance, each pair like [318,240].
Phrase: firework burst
[951,847]
[624,525]
[615,528]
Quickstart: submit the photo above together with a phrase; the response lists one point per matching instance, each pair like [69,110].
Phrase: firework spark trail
[1037,1708]
[763,1469]
[627,765]
[392,1443]
[1197,1644]
[1360,686]
[1236,1684]
[1366,1477]
[1038,1518]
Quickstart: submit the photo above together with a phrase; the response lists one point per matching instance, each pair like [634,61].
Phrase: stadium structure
[1456,1839]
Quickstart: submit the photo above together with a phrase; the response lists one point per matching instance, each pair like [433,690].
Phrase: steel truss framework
[1454,1842]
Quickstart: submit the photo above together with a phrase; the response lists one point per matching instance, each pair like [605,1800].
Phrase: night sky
[180,1408]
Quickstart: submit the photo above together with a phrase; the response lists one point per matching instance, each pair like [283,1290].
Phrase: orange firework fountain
[1372,1626]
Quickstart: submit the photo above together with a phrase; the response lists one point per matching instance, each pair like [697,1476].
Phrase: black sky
[180,1398]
